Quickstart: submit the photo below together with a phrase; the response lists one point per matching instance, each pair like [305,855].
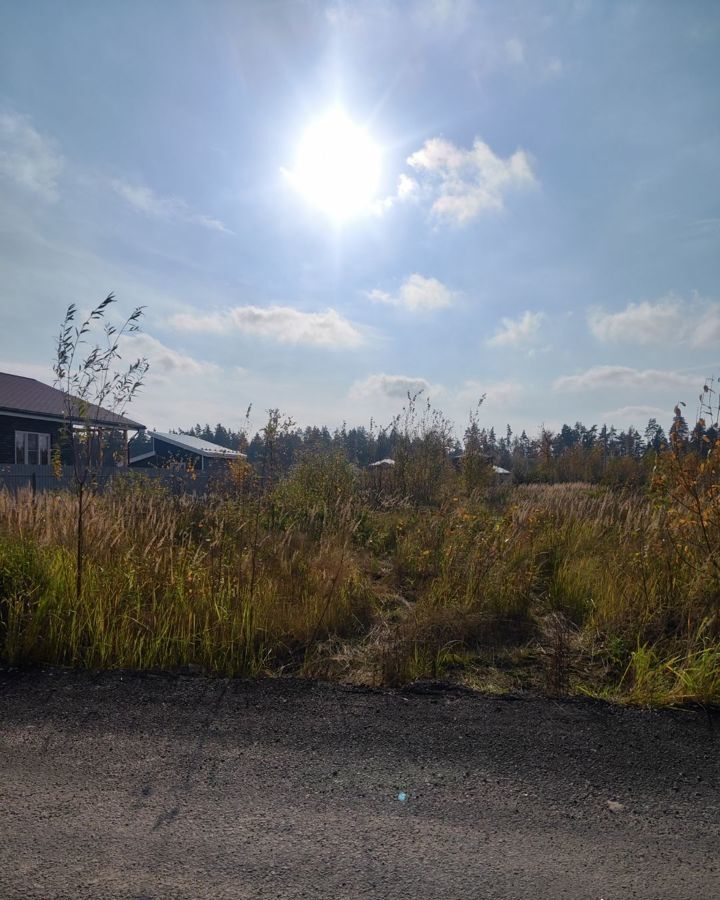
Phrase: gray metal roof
[197,445]
[26,396]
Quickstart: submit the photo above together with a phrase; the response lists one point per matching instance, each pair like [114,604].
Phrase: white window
[32,449]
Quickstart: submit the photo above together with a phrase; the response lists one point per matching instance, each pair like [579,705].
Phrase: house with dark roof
[33,416]
[185,449]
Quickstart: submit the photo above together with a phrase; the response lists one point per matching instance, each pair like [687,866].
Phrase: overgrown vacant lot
[564,588]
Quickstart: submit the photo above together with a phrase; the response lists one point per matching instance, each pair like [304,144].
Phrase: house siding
[10,424]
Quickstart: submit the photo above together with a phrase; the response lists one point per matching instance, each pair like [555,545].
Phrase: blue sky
[544,228]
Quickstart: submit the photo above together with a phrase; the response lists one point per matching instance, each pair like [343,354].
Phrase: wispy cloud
[625,377]
[393,387]
[281,323]
[669,320]
[417,294]
[519,332]
[164,361]
[464,183]
[635,414]
[407,189]
[148,201]
[27,157]
[454,15]
[649,322]
[706,331]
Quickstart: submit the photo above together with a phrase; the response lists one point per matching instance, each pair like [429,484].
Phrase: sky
[323,206]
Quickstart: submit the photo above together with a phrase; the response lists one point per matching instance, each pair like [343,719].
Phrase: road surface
[122,785]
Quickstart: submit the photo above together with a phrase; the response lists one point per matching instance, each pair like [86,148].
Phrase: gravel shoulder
[121,785]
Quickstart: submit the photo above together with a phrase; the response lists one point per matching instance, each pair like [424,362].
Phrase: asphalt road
[134,786]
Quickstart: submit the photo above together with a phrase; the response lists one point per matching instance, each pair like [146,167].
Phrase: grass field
[325,572]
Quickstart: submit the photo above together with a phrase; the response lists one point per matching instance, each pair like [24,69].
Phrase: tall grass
[168,583]
[560,587]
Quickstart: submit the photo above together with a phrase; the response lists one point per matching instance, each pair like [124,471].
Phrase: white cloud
[634,414]
[281,323]
[27,157]
[163,359]
[394,387]
[407,187]
[518,332]
[417,294]
[707,330]
[639,323]
[669,320]
[149,202]
[625,377]
[463,183]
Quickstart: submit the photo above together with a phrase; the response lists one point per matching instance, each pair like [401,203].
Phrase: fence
[46,478]
[38,478]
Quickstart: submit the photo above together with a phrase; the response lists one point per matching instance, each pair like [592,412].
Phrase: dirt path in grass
[137,786]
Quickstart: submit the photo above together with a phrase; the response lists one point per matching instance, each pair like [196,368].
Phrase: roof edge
[23,413]
[221,453]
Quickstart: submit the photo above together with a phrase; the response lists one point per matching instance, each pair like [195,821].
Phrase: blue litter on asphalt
[402,796]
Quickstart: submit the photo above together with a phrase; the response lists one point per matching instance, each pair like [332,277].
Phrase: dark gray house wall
[114,443]
[10,424]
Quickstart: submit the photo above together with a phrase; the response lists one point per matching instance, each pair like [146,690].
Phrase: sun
[337,167]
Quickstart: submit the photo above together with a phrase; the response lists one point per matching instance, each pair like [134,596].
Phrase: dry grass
[169,581]
[558,587]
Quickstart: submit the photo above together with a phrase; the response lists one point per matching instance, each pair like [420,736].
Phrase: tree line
[572,453]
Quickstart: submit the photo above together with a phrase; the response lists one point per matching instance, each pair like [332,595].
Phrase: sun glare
[338,166]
